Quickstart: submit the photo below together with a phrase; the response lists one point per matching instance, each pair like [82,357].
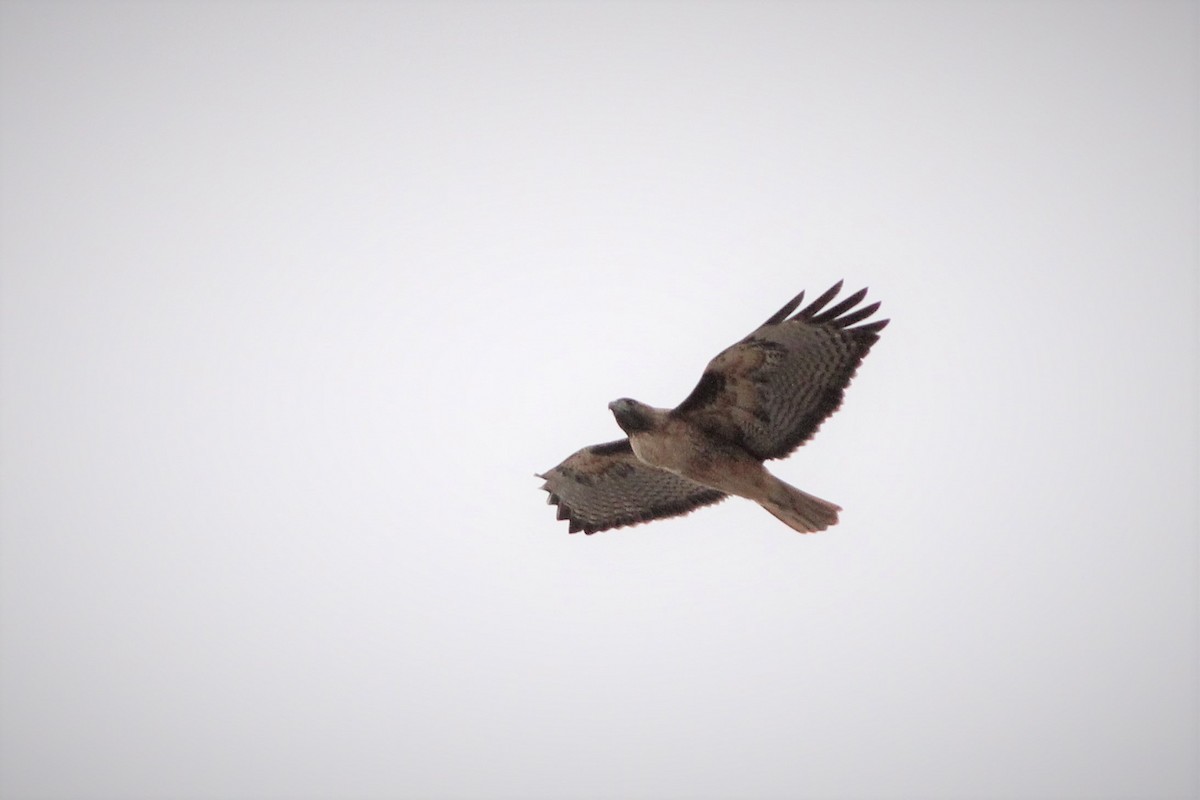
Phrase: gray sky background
[296,298]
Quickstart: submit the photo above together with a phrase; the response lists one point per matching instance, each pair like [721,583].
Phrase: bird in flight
[758,400]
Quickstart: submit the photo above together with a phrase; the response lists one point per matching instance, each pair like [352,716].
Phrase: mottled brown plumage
[757,400]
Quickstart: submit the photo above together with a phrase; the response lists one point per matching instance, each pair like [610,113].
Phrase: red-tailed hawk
[759,399]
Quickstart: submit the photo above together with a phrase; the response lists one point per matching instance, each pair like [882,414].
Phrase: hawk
[758,400]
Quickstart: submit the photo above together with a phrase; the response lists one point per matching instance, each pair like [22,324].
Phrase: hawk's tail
[799,510]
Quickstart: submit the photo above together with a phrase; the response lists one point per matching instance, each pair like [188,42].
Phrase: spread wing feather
[771,391]
[605,486]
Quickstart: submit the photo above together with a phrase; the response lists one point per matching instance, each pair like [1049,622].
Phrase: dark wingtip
[845,305]
[781,314]
[874,327]
[843,314]
[816,305]
[859,315]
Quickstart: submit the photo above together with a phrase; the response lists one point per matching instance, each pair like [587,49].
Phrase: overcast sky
[296,298]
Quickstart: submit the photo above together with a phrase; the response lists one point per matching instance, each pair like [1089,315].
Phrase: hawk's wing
[771,391]
[605,486]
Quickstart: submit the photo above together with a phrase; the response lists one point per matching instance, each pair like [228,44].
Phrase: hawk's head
[632,416]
